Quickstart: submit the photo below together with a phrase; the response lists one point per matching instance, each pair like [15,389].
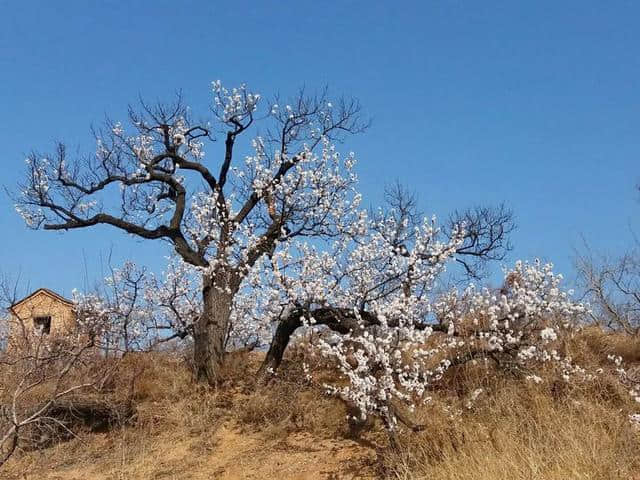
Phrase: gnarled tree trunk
[279,344]
[211,329]
[340,320]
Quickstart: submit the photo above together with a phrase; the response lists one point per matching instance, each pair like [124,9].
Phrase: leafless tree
[487,237]
[39,371]
[612,286]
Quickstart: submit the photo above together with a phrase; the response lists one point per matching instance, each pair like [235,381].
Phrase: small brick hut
[43,311]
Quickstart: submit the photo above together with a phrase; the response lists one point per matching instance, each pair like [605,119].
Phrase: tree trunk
[339,320]
[211,329]
[279,344]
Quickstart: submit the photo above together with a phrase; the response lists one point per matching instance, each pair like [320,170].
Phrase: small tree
[394,251]
[612,287]
[38,373]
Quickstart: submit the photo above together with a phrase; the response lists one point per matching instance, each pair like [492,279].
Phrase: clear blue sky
[533,103]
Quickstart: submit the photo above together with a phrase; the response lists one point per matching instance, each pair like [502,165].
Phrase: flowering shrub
[396,359]
[396,338]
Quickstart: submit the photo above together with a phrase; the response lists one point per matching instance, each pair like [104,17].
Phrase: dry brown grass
[291,404]
[601,344]
[519,431]
[292,430]
[185,431]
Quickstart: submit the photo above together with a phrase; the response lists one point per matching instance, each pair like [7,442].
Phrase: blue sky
[532,103]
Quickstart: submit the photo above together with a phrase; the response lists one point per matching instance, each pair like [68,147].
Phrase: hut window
[43,324]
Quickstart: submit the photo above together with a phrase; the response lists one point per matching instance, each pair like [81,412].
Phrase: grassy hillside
[481,423]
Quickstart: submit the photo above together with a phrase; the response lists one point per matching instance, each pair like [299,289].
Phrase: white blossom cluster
[383,288]
[629,377]
[527,313]
[235,103]
[395,359]
[136,309]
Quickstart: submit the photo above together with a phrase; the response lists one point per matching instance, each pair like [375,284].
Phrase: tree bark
[211,329]
[279,344]
[340,320]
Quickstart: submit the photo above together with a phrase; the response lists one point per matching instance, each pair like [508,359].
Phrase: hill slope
[513,429]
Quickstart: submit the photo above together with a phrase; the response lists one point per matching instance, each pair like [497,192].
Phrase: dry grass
[291,430]
[601,344]
[517,429]
[520,432]
[291,404]
[185,431]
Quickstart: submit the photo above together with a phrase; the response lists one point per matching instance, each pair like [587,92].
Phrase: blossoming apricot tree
[395,335]
[150,179]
